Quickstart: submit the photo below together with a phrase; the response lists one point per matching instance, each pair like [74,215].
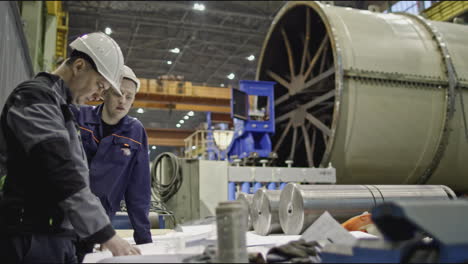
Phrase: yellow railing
[445,10]
[196,144]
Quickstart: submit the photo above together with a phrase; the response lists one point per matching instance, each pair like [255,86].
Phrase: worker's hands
[120,247]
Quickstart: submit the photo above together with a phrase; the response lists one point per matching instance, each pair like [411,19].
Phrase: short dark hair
[76,54]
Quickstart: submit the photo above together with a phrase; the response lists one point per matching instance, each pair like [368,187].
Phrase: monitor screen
[239,104]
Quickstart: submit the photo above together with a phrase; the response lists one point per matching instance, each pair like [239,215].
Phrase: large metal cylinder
[264,215]
[377,95]
[247,200]
[301,205]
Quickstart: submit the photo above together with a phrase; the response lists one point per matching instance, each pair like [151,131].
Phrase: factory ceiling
[212,43]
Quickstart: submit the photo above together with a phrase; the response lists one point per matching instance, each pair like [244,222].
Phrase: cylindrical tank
[247,199]
[378,95]
[264,215]
[301,205]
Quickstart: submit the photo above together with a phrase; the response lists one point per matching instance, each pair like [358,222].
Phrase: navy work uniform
[47,200]
[119,166]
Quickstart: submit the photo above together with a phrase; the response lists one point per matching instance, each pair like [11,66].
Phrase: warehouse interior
[269,131]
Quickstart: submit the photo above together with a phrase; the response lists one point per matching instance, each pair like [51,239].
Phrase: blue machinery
[253,113]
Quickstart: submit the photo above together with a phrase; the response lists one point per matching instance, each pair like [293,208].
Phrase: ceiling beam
[167,137]
[183,107]
[183,99]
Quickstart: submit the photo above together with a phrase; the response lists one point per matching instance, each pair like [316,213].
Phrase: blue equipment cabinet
[252,110]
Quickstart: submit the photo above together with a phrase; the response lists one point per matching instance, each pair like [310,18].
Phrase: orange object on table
[358,223]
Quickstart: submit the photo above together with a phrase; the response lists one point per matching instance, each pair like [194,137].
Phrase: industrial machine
[380,96]
[253,113]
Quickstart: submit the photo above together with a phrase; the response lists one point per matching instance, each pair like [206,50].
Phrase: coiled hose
[160,191]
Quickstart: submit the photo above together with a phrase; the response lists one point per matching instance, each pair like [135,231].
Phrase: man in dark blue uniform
[116,146]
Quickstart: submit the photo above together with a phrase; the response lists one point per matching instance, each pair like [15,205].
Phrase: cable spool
[301,205]
[265,217]
[247,199]
[231,225]
[164,191]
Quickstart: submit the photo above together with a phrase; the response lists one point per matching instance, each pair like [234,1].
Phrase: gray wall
[15,63]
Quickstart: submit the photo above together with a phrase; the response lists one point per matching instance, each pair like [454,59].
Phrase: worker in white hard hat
[46,200]
[116,147]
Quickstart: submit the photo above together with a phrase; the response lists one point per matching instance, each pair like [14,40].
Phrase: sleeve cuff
[102,235]
[143,240]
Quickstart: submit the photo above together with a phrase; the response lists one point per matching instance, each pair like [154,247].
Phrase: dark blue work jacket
[118,167]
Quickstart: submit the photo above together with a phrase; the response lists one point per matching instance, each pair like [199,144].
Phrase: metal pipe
[282,185]
[271,186]
[247,199]
[264,215]
[245,187]
[231,191]
[257,186]
[301,205]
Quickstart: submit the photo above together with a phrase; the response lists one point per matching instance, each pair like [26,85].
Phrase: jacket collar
[124,123]
[58,84]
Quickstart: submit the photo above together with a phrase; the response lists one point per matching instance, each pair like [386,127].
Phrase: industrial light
[251,58]
[140,111]
[178,125]
[222,85]
[231,76]
[175,50]
[153,147]
[108,30]
[191,113]
[186,117]
[199,7]
[169,62]
[181,121]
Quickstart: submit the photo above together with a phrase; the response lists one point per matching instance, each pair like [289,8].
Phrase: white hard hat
[129,74]
[105,53]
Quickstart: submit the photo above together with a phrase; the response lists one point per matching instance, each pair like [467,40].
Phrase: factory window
[405,6]
[409,7]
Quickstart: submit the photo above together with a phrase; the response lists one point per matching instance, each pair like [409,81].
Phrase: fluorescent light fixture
[108,30]
[175,50]
[186,117]
[181,121]
[199,7]
[169,62]
[251,57]
[178,125]
[231,76]
[191,113]
[153,147]
[140,111]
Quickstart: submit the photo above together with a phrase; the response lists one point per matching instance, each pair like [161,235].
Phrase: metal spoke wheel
[304,70]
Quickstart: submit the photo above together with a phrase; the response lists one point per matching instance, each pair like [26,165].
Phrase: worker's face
[86,84]
[116,105]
